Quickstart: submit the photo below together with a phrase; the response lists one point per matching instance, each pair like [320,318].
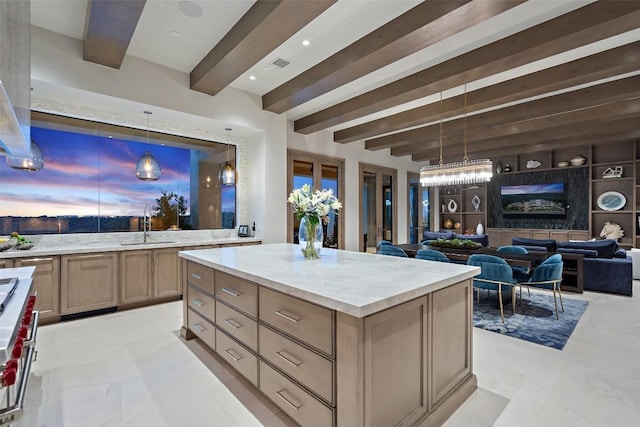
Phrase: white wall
[64,83]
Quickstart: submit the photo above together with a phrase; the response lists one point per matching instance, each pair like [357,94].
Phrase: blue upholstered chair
[383,242]
[391,250]
[431,255]
[548,275]
[495,275]
[521,274]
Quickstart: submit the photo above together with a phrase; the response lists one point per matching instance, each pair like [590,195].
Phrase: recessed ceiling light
[190,9]
[252,77]
[175,33]
[305,43]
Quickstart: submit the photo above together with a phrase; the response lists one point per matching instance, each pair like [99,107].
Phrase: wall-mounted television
[534,201]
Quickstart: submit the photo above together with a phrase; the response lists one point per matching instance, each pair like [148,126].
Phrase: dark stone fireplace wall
[576,190]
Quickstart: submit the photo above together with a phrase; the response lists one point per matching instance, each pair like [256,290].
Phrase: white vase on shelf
[480,228]
[452,206]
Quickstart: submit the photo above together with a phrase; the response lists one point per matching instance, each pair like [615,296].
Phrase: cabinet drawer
[237,325]
[202,303]
[311,369]
[200,276]
[293,400]
[239,357]
[203,329]
[308,322]
[237,292]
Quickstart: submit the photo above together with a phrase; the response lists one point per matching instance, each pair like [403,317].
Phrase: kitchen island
[350,339]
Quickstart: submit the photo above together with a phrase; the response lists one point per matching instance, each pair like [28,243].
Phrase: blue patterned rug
[534,320]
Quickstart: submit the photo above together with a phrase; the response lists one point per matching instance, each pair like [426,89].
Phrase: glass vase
[310,236]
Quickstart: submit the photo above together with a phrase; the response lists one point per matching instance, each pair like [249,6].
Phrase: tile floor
[132,369]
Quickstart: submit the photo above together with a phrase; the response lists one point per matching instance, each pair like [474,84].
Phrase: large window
[88,183]
[322,173]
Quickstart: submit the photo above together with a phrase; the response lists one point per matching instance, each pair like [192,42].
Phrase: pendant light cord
[465,158]
[441,161]
[148,113]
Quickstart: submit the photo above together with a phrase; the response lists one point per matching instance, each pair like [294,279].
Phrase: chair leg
[500,301]
[560,294]
[555,301]
[513,299]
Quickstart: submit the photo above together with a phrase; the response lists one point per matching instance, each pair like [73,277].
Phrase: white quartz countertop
[129,244]
[355,283]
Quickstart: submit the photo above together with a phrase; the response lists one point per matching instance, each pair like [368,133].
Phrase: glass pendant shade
[228,174]
[148,168]
[32,164]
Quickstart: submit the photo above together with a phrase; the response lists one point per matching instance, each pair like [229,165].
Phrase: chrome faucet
[146,222]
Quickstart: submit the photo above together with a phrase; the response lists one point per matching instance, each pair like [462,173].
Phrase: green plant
[168,205]
[455,243]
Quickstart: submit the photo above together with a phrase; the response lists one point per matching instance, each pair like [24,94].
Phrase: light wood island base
[406,362]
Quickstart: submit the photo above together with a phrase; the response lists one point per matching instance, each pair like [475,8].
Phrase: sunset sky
[89,175]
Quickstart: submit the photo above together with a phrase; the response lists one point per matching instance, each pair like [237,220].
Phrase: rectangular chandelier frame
[458,173]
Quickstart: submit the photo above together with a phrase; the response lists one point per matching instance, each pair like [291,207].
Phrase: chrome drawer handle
[197,302]
[197,276]
[199,327]
[231,292]
[293,405]
[235,358]
[233,323]
[289,318]
[291,360]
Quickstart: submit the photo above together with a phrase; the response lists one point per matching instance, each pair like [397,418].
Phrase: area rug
[534,320]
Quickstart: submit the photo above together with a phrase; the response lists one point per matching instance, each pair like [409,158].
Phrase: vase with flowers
[312,207]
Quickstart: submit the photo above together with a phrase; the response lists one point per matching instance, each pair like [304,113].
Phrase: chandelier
[456,173]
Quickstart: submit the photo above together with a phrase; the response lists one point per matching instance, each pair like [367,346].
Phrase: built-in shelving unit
[465,215]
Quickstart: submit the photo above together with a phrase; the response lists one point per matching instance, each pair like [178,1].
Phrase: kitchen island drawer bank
[349,340]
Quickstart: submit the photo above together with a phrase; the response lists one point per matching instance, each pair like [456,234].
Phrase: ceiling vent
[280,63]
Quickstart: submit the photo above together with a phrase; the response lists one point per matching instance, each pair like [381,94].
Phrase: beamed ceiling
[514,76]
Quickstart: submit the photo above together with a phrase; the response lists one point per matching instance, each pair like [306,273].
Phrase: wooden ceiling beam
[567,131]
[408,141]
[588,24]
[607,64]
[265,26]
[612,135]
[108,28]
[424,25]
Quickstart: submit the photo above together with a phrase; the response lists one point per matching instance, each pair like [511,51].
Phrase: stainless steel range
[18,330]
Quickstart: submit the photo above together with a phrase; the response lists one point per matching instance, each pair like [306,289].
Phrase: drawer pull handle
[199,327]
[197,276]
[233,323]
[197,302]
[235,358]
[290,359]
[231,292]
[292,404]
[286,316]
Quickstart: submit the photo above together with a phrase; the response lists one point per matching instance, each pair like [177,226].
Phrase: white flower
[307,202]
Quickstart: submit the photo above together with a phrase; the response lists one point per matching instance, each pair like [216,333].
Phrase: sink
[145,243]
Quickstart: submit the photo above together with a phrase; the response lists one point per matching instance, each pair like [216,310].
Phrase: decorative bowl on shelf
[563,164]
[578,160]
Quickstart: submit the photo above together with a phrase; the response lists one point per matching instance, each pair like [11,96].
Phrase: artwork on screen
[533,201]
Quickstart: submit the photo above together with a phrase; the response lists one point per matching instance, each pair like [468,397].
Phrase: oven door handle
[13,413]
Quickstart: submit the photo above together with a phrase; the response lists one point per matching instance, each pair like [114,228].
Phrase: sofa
[606,267]
[483,239]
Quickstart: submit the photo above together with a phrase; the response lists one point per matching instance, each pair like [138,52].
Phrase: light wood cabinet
[136,276]
[46,282]
[88,282]
[6,263]
[166,273]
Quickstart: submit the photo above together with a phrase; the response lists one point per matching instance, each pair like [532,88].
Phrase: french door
[321,173]
[418,209]
[378,206]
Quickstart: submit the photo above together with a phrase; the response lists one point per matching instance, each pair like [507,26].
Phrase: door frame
[378,170]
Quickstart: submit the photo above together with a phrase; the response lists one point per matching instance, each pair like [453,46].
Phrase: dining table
[461,255]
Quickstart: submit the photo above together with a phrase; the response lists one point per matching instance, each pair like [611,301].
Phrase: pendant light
[464,172]
[148,168]
[31,164]
[228,174]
